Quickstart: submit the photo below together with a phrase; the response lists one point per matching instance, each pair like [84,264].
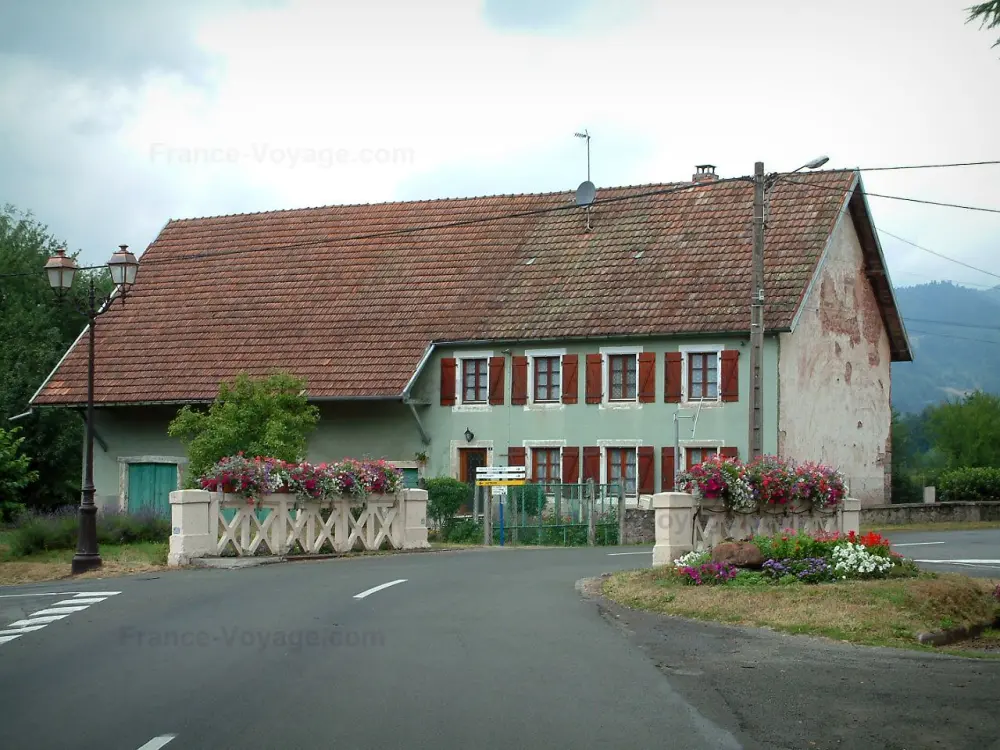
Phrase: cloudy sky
[117,115]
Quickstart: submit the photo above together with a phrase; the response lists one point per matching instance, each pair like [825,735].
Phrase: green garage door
[149,487]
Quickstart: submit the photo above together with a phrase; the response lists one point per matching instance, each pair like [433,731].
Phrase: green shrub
[43,532]
[462,531]
[906,488]
[970,484]
[529,498]
[445,495]
[260,417]
[749,578]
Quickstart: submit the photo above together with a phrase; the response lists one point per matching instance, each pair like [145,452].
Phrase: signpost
[499,478]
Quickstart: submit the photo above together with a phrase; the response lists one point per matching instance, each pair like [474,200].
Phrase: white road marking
[78,601]
[619,554]
[916,544]
[963,562]
[157,742]
[370,591]
[37,620]
[59,611]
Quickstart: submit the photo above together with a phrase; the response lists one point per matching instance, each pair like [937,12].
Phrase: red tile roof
[349,297]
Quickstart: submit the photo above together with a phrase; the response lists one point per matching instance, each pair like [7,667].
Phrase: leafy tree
[988,15]
[967,432]
[445,496]
[15,472]
[37,328]
[261,417]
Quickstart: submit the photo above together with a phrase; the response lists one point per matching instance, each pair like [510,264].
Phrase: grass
[877,613]
[118,559]
[943,526]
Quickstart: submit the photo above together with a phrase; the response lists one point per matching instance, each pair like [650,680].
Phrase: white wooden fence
[208,524]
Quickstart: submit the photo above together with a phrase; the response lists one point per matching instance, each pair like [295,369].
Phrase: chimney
[704,173]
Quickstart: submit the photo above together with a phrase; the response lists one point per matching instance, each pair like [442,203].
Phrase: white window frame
[626,444]
[688,349]
[529,450]
[460,403]
[717,445]
[531,404]
[606,402]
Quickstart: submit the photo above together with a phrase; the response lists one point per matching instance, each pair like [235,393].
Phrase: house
[514,329]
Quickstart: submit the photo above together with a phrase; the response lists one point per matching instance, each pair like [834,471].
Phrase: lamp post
[61,270]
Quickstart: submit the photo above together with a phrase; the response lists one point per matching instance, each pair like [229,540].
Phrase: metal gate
[553,514]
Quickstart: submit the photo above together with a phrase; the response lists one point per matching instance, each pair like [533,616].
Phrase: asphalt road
[483,648]
[971,553]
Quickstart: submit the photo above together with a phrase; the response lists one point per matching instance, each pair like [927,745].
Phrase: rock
[740,554]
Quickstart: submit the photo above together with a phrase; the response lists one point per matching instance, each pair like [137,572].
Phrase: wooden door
[470,459]
[149,488]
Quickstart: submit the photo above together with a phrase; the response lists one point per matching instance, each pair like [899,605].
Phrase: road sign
[499,490]
[501,472]
[500,482]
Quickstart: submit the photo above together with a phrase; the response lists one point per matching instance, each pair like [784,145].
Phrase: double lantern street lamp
[61,270]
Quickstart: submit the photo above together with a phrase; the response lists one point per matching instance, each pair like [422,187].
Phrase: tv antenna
[585,135]
[586,193]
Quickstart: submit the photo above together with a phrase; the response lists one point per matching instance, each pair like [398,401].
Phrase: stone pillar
[415,512]
[850,516]
[930,495]
[190,535]
[674,526]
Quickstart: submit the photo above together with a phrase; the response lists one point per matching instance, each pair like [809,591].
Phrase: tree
[967,432]
[988,15]
[262,417]
[37,328]
[15,472]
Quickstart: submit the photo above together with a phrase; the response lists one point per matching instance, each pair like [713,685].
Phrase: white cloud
[449,98]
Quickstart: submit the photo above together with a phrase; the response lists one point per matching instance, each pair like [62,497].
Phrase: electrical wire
[786,179]
[952,336]
[928,166]
[934,252]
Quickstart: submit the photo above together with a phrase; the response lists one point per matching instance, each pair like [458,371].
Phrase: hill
[948,360]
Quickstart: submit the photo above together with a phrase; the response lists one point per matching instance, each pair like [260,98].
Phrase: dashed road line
[916,544]
[157,742]
[38,620]
[372,590]
[620,554]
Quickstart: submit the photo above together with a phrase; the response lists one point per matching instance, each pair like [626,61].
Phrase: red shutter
[731,375]
[515,456]
[647,463]
[497,380]
[595,375]
[592,463]
[672,379]
[571,464]
[448,365]
[667,469]
[571,385]
[730,452]
[519,386]
[647,377]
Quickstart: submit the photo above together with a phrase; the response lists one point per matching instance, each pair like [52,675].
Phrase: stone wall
[890,515]
[640,526]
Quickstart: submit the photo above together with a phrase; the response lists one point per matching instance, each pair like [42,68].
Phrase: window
[475,381]
[621,468]
[547,380]
[621,369]
[696,456]
[545,465]
[703,376]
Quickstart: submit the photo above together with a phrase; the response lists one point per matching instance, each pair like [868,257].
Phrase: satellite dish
[586,193]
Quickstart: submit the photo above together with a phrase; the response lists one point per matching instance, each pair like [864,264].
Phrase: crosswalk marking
[75,602]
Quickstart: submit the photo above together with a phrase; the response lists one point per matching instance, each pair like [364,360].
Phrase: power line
[935,252]
[952,336]
[953,323]
[896,197]
[928,166]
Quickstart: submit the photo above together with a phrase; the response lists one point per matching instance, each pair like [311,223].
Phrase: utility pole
[757,317]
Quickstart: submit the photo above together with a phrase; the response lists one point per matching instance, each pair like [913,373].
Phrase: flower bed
[767,482]
[254,478]
[798,557]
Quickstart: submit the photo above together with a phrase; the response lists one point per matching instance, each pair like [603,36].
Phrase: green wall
[583,424]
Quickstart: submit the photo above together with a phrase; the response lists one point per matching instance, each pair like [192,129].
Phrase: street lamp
[61,270]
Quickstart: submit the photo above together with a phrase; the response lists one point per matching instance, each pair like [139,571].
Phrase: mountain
[948,360]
